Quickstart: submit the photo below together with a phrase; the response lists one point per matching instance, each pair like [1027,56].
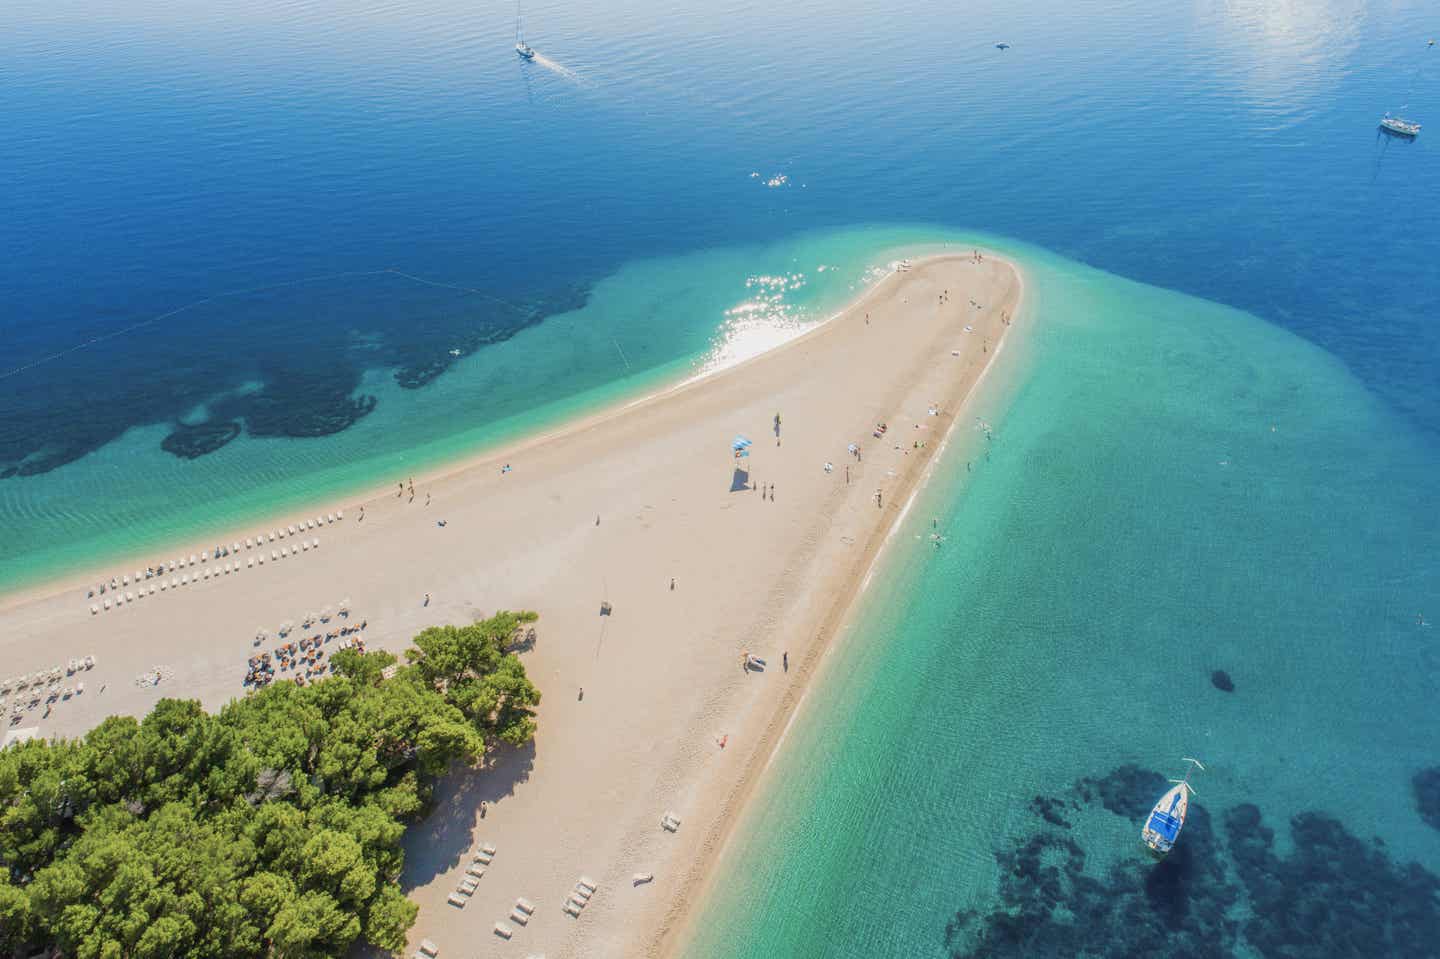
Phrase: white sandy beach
[608,510]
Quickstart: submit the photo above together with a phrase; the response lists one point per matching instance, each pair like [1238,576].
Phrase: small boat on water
[1162,827]
[522,49]
[1399,126]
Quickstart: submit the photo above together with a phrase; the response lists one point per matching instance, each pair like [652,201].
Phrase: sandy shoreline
[606,509]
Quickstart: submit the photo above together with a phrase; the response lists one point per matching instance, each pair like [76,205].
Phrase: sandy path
[661,673]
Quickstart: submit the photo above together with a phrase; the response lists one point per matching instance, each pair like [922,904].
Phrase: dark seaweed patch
[1334,895]
[1221,680]
[307,344]
[1128,791]
[1427,795]
[190,442]
[1050,810]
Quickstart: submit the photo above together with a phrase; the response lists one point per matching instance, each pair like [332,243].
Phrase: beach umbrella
[740,443]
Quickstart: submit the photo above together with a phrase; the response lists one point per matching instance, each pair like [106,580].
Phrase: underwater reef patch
[1426,784]
[192,442]
[1333,895]
[308,343]
[1221,680]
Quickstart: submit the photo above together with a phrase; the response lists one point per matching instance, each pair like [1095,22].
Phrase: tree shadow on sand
[442,839]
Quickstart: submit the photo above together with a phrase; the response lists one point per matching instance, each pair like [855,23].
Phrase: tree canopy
[270,828]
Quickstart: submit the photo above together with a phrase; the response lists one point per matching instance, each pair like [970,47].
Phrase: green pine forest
[270,828]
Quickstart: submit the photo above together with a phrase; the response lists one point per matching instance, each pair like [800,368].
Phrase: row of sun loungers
[146,580]
[473,874]
[520,915]
[51,675]
[580,898]
[43,686]
[120,598]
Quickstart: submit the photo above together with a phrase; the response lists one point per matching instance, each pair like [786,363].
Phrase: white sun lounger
[292,530]
[503,931]
[477,871]
[576,901]
[525,905]
[152,590]
[94,610]
[484,858]
[468,886]
[339,514]
[305,545]
[640,878]
[572,909]
[274,554]
[315,542]
[488,847]
[519,917]
[457,900]
[250,563]
[107,604]
[329,517]
[429,948]
[272,536]
[587,884]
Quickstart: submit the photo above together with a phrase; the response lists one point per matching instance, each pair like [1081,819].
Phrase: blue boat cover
[1167,826]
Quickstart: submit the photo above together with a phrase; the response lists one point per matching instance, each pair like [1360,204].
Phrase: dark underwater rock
[1049,810]
[1128,791]
[1427,795]
[1333,895]
[192,442]
[1221,680]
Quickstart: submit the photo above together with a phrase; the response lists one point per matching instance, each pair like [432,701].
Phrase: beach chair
[339,514]
[250,563]
[329,517]
[152,590]
[640,878]
[284,552]
[428,948]
[129,597]
[587,884]
[94,610]
[503,931]
[262,559]
[572,909]
[305,545]
[457,900]
[516,916]
[272,536]
[315,542]
[274,554]
[292,530]
[484,858]
[468,886]
[477,871]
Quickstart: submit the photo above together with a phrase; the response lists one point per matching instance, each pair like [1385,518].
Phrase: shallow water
[1173,488]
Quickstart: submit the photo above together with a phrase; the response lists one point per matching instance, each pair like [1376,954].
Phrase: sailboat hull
[1163,825]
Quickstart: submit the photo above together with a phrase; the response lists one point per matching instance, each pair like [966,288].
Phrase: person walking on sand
[785,660]
[427,599]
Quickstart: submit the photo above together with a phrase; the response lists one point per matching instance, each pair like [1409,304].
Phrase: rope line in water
[348,274]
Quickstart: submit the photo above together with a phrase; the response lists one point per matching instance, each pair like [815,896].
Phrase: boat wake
[540,60]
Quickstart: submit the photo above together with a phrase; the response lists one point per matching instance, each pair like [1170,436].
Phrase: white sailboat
[522,49]
[1167,818]
[1399,126]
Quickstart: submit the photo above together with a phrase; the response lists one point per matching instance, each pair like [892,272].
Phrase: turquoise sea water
[1173,487]
[271,222]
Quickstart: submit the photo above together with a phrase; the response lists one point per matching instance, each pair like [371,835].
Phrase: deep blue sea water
[267,224]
